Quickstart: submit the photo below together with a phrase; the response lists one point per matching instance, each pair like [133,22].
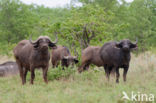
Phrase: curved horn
[117,43]
[56,40]
[75,57]
[33,42]
[135,43]
[75,52]
[30,40]
[65,57]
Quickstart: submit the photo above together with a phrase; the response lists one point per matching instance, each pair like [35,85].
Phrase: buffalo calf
[63,55]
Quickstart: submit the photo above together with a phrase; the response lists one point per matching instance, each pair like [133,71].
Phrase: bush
[58,73]
[6,49]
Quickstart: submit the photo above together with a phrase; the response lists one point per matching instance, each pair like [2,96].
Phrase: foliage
[58,73]
[7,49]
[17,20]
[79,28]
[135,22]
[93,23]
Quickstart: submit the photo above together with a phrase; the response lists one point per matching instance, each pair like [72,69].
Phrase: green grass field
[88,87]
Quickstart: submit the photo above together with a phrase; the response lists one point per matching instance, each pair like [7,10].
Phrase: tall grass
[68,86]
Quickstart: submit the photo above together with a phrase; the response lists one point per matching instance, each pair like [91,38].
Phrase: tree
[87,25]
[17,20]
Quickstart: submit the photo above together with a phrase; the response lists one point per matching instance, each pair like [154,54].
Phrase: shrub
[58,73]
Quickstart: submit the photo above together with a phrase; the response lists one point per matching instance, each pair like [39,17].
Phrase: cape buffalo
[30,55]
[8,68]
[62,53]
[116,55]
[90,55]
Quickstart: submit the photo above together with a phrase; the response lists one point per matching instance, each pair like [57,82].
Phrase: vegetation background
[93,23]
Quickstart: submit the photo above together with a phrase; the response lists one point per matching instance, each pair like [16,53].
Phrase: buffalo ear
[118,45]
[133,45]
[52,45]
[36,45]
[76,61]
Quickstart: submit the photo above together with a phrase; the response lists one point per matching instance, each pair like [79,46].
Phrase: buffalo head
[43,42]
[70,60]
[126,45]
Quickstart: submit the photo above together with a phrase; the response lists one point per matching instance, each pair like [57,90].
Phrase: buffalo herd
[30,55]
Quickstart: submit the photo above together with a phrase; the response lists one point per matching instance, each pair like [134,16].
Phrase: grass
[88,87]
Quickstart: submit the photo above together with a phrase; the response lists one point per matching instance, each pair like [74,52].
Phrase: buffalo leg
[32,75]
[45,70]
[113,71]
[25,74]
[117,75]
[125,73]
[105,66]
[21,72]
[80,69]
[54,64]
[107,71]
[86,67]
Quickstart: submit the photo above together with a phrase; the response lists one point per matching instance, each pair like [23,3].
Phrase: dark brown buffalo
[8,68]
[116,55]
[63,54]
[30,55]
[90,55]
